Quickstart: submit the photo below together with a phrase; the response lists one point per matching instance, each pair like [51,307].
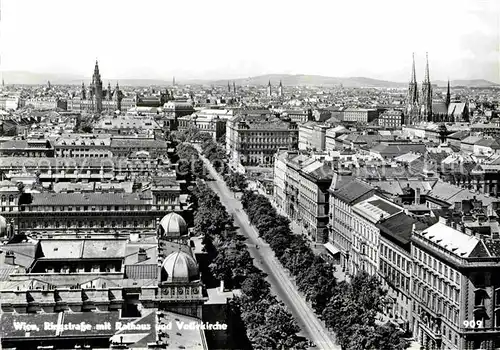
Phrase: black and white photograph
[254,175]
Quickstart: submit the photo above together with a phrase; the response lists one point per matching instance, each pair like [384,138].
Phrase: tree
[351,313]
[255,287]
[210,220]
[87,129]
[281,327]
[317,283]
[236,180]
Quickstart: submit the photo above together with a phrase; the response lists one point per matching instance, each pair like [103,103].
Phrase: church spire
[448,94]
[412,100]
[413,79]
[427,93]
[427,79]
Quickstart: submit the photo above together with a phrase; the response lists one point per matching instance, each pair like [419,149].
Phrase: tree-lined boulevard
[322,306]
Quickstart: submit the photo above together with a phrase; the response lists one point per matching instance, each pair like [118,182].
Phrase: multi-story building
[210,121]
[173,110]
[280,178]
[312,136]
[87,169]
[314,199]
[455,286]
[83,146]
[27,148]
[298,116]
[392,119]
[301,183]
[10,103]
[127,146]
[395,267]
[331,135]
[360,115]
[90,211]
[106,145]
[127,125]
[46,103]
[366,233]
[341,221]
[253,138]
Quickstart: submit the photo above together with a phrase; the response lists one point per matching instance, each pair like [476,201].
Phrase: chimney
[417,196]
[10,258]
[221,288]
[142,256]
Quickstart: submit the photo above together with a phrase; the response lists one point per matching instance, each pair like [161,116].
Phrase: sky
[228,39]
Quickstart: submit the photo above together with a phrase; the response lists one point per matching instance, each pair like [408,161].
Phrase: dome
[173,225]
[179,267]
[3,225]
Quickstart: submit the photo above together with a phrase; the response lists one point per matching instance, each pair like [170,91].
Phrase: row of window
[89,224]
[436,265]
[436,302]
[395,277]
[90,208]
[440,285]
[397,259]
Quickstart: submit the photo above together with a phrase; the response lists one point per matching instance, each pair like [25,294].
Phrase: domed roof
[3,225]
[179,267]
[173,225]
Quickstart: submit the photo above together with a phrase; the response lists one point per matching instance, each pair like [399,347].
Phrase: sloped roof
[457,109]
[439,108]
[376,208]
[351,191]
[489,142]
[83,249]
[398,227]
[450,239]
[460,135]
[472,139]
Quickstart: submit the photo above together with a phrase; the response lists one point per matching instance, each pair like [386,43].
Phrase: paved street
[279,279]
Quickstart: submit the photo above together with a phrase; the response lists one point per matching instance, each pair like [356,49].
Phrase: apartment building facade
[252,139]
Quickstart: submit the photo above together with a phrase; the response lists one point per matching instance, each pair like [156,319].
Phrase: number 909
[473,324]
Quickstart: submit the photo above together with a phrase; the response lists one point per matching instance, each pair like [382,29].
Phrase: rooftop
[351,191]
[376,208]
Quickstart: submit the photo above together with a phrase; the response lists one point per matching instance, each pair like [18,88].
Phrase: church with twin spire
[423,108]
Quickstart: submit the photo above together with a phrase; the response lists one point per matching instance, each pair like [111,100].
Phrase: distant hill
[311,80]
[467,83]
[29,78]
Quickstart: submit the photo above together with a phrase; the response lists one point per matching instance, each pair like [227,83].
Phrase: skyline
[169,39]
